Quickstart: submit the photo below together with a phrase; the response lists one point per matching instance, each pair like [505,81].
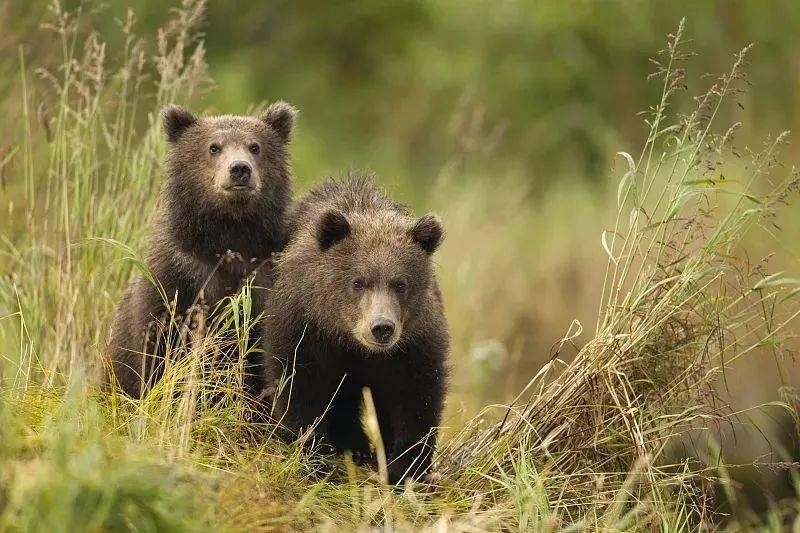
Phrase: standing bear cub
[222,211]
[355,304]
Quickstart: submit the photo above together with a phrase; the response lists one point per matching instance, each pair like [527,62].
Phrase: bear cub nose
[240,172]
[382,331]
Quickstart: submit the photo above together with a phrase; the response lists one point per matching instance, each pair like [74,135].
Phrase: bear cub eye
[214,148]
[399,287]
[254,148]
[358,285]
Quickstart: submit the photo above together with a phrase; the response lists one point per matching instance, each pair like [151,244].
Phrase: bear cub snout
[240,172]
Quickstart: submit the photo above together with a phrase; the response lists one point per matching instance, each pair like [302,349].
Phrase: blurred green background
[379,83]
[502,116]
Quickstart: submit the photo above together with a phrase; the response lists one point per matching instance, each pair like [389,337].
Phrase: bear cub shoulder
[355,305]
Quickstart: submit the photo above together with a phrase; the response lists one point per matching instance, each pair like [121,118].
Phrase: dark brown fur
[208,237]
[340,232]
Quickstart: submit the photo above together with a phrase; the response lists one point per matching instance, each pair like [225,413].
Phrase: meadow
[656,302]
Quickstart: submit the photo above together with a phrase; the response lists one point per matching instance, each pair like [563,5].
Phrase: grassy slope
[587,443]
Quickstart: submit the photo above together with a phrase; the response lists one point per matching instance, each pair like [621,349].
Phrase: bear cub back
[355,304]
[221,217]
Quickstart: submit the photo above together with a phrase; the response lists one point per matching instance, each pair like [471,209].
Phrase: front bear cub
[355,304]
[222,216]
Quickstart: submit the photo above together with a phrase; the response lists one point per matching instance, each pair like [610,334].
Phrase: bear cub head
[231,166]
[366,266]
[380,270]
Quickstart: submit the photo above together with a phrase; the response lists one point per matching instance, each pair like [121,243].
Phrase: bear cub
[355,304]
[221,217]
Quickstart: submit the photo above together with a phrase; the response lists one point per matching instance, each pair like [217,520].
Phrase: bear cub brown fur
[221,217]
[355,304]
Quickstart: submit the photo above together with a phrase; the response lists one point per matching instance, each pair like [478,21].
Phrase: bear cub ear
[280,117]
[332,228]
[428,232]
[175,120]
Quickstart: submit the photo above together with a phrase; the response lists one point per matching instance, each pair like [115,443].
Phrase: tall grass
[591,442]
[681,302]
